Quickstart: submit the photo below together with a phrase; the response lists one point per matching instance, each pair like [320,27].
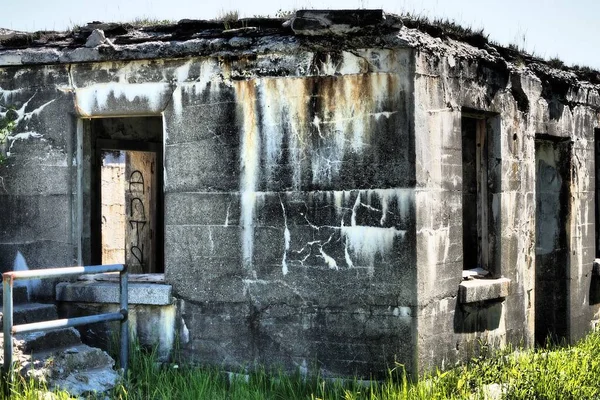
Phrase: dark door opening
[552,250]
[127,201]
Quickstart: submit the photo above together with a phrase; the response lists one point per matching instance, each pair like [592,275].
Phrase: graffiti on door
[136,218]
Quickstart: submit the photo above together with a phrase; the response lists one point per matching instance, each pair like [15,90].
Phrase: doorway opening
[552,157]
[127,193]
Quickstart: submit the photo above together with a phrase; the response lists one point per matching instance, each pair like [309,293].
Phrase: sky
[567,29]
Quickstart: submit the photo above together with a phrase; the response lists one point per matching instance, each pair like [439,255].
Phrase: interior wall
[552,245]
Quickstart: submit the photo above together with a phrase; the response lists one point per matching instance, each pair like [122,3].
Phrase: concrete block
[483,289]
[19,294]
[40,341]
[202,209]
[201,166]
[33,312]
[108,292]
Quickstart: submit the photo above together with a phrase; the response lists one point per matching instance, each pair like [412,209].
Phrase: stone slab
[108,292]
[29,313]
[483,289]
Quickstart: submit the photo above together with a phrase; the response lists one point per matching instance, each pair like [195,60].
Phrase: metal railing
[8,279]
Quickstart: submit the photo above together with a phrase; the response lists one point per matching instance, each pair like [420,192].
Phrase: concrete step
[37,342]
[33,312]
[60,360]
[19,295]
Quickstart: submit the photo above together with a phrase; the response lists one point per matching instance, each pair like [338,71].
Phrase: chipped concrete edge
[477,290]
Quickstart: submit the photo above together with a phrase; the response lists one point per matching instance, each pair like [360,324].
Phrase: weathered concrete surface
[312,184]
[80,370]
[475,290]
[108,292]
[154,326]
[57,358]
[521,102]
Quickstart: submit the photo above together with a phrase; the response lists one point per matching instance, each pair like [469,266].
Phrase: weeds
[228,18]
[147,21]
[549,373]
[556,62]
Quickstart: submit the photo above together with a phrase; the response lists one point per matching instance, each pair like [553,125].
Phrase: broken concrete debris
[57,358]
[96,38]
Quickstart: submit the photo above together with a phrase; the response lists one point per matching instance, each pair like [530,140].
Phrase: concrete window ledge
[596,267]
[476,290]
[108,292]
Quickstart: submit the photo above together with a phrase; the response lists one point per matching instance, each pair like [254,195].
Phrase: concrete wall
[37,184]
[289,222]
[313,199]
[520,105]
[289,203]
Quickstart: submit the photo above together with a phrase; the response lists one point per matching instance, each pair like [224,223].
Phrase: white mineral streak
[347,108]
[95,97]
[272,129]
[331,263]
[404,197]
[21,111]
[328,259]
[21,136]
[338,198]
[177,102]
[27,116]
[342,122]
[287,239]
[328,67]
[249,164]
[181,76]
[22,115]
[355,209]
[182,73]
[7,95]
[24,136]
[227,215]
[285,113]
[367,242]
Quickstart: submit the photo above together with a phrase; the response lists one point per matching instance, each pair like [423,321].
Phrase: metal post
[7,316]
[123,289]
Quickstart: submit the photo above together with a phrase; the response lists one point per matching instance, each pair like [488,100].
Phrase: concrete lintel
[108,292]
[483,289]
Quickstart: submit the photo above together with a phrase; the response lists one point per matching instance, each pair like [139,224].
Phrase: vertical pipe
[7,316]
[123,291]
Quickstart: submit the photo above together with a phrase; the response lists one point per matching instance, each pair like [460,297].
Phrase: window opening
[475,195]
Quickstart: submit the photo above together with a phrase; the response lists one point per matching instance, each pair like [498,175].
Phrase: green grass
[549,373]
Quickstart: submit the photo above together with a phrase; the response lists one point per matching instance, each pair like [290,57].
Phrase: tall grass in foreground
[550,373]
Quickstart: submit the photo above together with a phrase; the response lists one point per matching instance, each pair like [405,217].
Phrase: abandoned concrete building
[336,192]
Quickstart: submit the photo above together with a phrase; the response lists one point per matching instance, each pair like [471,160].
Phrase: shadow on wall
[477,317]
[594,294]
